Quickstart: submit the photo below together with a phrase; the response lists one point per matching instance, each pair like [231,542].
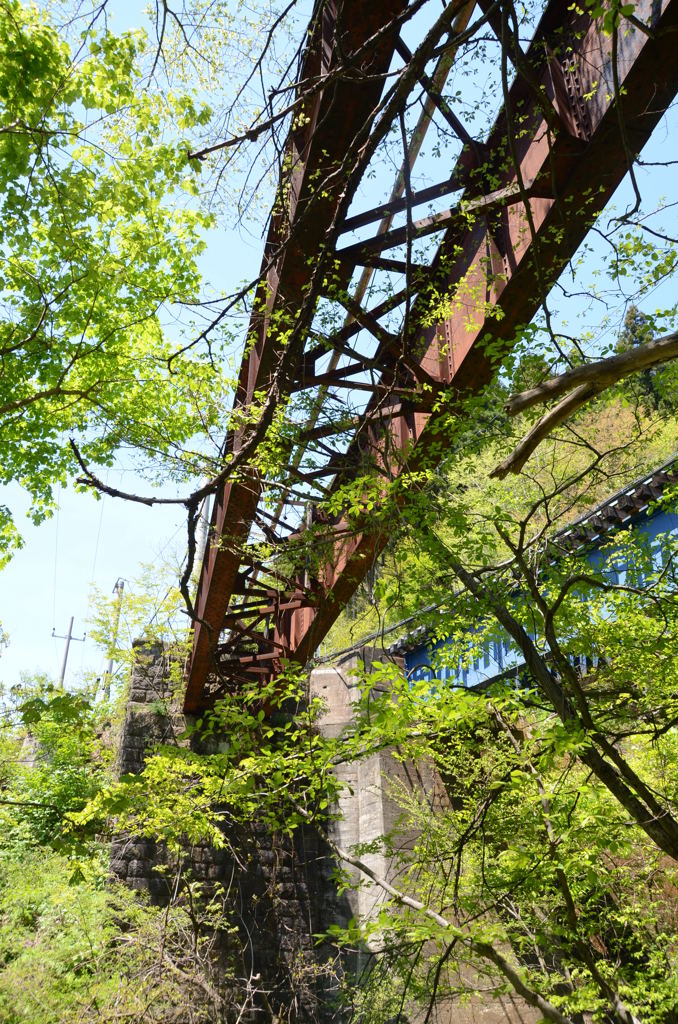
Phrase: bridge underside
[284,556]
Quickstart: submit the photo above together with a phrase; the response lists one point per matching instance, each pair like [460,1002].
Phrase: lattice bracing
[367,385]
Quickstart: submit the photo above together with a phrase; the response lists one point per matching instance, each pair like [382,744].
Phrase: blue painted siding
[499,657]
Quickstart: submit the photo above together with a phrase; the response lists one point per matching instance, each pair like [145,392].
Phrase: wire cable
[56,555]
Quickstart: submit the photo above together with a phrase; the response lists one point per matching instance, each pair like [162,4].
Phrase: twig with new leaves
[480,947]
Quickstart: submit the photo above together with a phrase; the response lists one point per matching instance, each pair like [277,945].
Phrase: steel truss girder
[570,155]
[323,131]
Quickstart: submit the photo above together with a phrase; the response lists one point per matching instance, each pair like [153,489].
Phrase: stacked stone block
[281,889]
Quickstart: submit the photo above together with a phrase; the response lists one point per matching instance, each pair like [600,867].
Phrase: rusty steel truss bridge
[578,101]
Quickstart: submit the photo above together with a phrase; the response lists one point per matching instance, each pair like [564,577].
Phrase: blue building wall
[499,657]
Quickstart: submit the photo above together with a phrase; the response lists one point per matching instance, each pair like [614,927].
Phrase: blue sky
[91,543]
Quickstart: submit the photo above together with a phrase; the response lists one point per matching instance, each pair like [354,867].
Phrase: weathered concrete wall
[368,808]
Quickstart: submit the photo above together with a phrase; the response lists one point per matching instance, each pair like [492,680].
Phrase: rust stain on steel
[331,121]
[571,158]
[585,159]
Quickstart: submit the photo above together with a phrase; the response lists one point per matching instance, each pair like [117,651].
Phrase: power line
[56,553]
[101,519]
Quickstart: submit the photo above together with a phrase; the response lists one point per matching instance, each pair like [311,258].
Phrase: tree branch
[483,949]
[542,428]
[602,373]
[588,381]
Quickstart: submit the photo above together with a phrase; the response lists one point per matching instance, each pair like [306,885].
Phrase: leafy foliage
[100,234]
[94,950]
[550,873]
[55,760]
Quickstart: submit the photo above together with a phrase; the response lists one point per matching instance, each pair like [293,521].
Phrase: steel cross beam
[323,129]
[556,153]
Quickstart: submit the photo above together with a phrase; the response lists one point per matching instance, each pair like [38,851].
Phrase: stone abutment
[279,893]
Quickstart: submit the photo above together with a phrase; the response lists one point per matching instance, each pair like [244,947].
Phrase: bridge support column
[369,809]
[280,891]
[368,805]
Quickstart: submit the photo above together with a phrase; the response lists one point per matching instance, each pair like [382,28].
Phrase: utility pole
[69,636]
[118,590]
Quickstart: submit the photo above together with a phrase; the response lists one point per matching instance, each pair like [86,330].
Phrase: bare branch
[521,453]
[604,372]
[588,381]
